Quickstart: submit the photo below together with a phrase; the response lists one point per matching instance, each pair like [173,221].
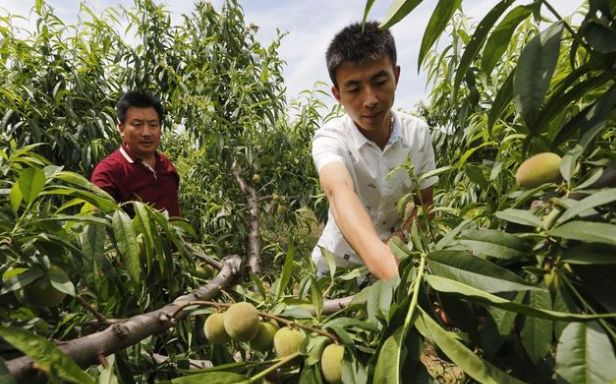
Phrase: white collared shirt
[370,168]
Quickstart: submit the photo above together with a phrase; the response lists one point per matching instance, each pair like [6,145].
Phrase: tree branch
[86,351]
[254,238]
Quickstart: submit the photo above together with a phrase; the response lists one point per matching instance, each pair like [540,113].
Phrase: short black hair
[358,43]
[139,99]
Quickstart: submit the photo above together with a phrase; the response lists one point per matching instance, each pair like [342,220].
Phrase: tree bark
[85,351]
[254,237]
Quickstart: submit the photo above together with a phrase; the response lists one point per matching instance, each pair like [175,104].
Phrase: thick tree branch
[86,351]
[254,238]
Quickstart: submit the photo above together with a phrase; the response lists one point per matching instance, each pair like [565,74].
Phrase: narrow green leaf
[585,355]
[471,363]
[31,182]
[127,243]
[555,105]
[369,4]
[18,278]
[61,282]
[92,241]
[590,121]
[589,254]
[500,37]
[143,219]
[601,37]
[330,258]
[443,284]
[15,197]
[534,72]
[501,101]
[387,370]
[536,334]
[597,199]
[397,11]
[211,378]
[380,296]
[287,271]
[479,36]
[436,25]
[494,243]
[586,231]
[47,356]
[519,216]
[479,273]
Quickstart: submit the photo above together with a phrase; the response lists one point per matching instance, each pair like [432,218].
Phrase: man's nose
[371,98]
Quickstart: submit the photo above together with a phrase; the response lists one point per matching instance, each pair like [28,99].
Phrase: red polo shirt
[126,177]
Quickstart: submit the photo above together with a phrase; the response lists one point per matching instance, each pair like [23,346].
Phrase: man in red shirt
[136,170]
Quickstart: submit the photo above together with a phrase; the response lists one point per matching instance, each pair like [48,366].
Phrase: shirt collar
[361,140]
[131,156]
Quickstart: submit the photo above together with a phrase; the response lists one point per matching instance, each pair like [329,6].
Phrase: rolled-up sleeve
[326,148]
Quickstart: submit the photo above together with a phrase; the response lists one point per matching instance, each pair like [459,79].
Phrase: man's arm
[354,222]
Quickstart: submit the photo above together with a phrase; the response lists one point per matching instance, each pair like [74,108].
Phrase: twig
[290,323]
[567,26]
[264,372]
[100,318]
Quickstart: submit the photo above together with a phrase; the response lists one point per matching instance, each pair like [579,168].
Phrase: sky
[310,25]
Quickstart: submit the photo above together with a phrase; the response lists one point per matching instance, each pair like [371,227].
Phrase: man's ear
[336,93]
[120,128]
[397,73]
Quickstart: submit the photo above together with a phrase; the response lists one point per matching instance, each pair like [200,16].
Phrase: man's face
[367,91]
[141,131]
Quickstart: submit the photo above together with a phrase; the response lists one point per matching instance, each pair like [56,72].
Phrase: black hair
[139,99]
[357,43]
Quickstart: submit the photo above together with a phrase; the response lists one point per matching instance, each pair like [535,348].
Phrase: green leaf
[601,37]
[144,223]
[476,272]
[471,363]
[211,378]
[475,174]
[597,199]
[436,25]
[369,4]
[589,254]
[494,243]
[15,197]
[534,72]
[519,216]
[380,296]
[330,258]
[287,272]
[92,241]
[536,334]
[18,278]
[590,121]
[127,243]
[31,182]
[501,101]
[497,43]
[585,355]
[387,369]
[60,281]
[397,11]
[586,231]
[47,356]
[443,284]
[477,40]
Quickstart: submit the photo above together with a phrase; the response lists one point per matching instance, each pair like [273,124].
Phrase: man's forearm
[358,230]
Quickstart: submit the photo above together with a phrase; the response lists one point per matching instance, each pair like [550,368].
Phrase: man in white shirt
[356,153]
